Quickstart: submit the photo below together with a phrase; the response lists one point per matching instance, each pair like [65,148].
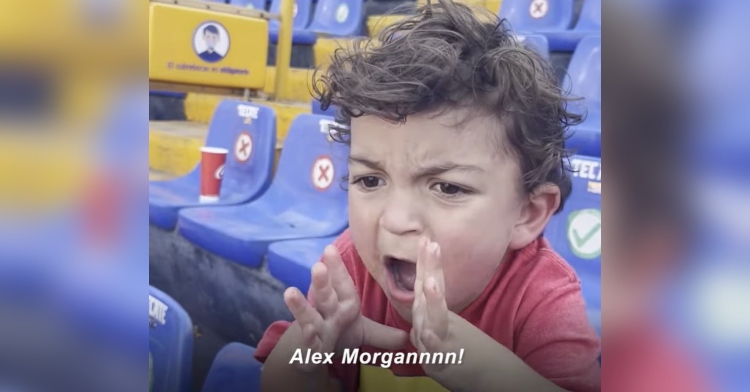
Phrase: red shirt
[533,306]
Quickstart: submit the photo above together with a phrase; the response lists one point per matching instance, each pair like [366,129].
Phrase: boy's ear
[536,210]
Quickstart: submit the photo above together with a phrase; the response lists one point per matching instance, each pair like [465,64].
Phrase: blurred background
[96,93]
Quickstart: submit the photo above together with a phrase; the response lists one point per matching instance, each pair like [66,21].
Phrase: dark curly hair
[446,57]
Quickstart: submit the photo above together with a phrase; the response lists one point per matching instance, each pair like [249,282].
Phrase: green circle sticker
[585,233]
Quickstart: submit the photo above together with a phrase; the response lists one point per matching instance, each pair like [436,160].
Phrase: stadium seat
[300,36]
[536,42]
[585,71]
[305,200]
[290,261]
[234,369]
[248,131]
[170,343]
[575,232]
[551,18]
[316,109]
[252,4]
[338,18]
[590,20]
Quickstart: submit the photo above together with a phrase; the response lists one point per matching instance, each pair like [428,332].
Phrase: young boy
[212,38]
[456,165]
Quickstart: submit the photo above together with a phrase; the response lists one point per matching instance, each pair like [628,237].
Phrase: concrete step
[174,147]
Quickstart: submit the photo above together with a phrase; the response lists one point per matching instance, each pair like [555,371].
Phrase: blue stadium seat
[535,42]
[170,343]
[575,233]
[248,131]
[551,18]
[252,4]
[585,71]
[316,109]
[590,20]
[305,200]
[589,23]
[338,18]
[290,261]
[234,369]
[300,36]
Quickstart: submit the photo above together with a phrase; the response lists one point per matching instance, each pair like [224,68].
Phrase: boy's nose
[402,216]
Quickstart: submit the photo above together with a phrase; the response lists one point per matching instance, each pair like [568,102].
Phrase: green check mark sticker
[585,233]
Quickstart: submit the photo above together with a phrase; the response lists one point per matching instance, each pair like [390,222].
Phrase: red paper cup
[212,171]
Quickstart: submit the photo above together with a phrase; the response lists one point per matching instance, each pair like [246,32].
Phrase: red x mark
[538,7]
[245,145]
[323,172]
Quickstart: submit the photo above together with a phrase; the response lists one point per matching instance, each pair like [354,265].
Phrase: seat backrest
[248,131]
[311,167]
[234,369]
[316,109]
[170,342]
[536,42]
[591,16]
[251,4]
[300,15]
[531,16]
[585,72]
[575,232]
[339,18]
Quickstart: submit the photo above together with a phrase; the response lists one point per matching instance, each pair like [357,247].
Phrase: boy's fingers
[325,298]
[379,335]
[421,259]
[436,316]
[434,265]
[308,334]
[341,281]
[302,311]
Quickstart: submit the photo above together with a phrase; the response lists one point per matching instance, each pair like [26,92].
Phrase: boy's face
[428,178]
[212,39]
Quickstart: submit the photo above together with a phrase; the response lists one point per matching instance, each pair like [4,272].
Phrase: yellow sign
[207,48]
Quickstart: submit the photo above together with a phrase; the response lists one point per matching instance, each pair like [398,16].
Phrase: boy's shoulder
[539,267]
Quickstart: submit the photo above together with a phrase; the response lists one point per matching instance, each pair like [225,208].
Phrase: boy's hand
[334,321]
[434,327]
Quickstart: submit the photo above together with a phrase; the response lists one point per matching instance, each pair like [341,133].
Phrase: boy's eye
[449,189]
[368,181]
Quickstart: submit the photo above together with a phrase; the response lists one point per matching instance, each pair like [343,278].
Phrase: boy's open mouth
[404,272]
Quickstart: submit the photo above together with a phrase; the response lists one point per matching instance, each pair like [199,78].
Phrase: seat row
[234,368]
[259,213]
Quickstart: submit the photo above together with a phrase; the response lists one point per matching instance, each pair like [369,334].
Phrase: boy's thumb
[379,335]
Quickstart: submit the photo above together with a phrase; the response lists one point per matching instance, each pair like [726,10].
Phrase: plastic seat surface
[291,261]
[575,233]
[585,71]
[338,18]
[234,369]
[305,200]
[170,343]
[248,131]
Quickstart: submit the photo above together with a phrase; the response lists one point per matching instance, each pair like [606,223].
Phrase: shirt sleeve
[553,334]
[344,373]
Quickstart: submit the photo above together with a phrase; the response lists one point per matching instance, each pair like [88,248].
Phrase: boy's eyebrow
[447,166]
[365,162]
[427,171]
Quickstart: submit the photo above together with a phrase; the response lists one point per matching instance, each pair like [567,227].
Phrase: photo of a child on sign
[209,44]
[443,280]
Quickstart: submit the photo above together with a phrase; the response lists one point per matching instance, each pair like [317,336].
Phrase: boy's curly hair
[446,57]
